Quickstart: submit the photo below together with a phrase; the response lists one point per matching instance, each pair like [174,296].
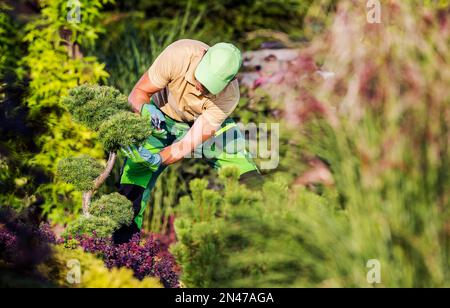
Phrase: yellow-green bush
[93,272]
[56,65]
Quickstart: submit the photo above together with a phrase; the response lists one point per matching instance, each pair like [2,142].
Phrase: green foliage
[95,275]
[9,49]
[106,215]
[386,145]
[91,105]
[115,207]
[80,171]
[56,64]
[16,176]
[225,20]
[140,45]
[124,128]
[93,272]
[200,241]
[19,178]
[101,227]
[106,110]
[65,262]
[296,238]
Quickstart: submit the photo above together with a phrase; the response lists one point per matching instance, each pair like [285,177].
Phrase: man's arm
[201,131]
[141,93]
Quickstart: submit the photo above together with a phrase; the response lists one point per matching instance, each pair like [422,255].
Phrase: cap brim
[208,80]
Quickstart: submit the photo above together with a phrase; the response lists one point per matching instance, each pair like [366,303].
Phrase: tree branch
[87,195]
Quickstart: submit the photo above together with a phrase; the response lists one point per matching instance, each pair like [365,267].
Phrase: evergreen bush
[80,171]
[114,206]
[54,62]
[94,226]
[105,110]
[123,128]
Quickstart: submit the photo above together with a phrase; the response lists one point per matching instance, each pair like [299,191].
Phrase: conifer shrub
[80,171]
[91,105]
[92,225]
[123,128]
[106,215]
[115,207]
[106,111]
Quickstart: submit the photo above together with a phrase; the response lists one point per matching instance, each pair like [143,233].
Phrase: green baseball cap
[218,67]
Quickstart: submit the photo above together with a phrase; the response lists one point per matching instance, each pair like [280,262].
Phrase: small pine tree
[106,111]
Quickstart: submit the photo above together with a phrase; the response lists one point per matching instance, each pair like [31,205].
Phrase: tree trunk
[87,195]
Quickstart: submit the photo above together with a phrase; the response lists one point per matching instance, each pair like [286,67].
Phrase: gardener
[187,94]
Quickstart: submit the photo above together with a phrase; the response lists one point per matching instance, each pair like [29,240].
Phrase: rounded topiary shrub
[101,227]
[80,171]
[115,207]
[91,105]
[122,129]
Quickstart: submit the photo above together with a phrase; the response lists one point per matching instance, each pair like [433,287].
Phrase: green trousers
[225,148]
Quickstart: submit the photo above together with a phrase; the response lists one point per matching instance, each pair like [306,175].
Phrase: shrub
[122,129]
[106,215]
[115,207]
[149,259]
[105,109]
[93,272]
[91,105]
[30,257]
[23,245]
[297,238]
[93,226]
[80,171]
[50,67]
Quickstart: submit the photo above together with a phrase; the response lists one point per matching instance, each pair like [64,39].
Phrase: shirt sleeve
[164,68]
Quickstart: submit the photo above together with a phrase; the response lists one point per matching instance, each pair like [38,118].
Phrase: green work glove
[156,119]
[142,155]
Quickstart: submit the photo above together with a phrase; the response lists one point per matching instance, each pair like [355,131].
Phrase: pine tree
[106,111]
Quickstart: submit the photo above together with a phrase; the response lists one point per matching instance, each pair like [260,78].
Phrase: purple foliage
[46,234]
[22,244]
[150,259]
[8,243]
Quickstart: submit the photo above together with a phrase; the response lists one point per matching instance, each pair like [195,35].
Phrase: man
[192,90]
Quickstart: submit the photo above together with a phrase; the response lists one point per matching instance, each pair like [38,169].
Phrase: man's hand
[143,155]
[201,131]
[156,118]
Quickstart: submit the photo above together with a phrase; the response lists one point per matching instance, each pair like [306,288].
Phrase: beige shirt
[173,71]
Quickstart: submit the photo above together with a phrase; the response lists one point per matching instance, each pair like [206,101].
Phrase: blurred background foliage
[363,174]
